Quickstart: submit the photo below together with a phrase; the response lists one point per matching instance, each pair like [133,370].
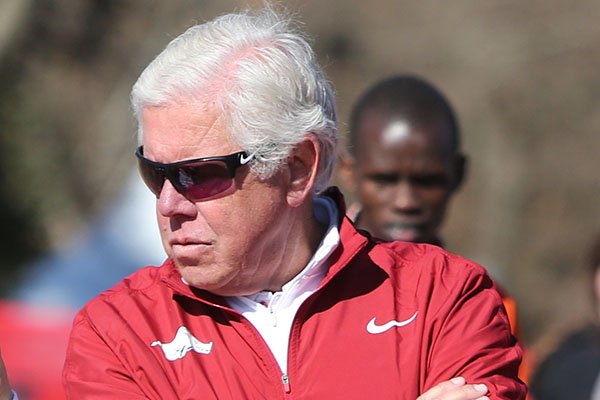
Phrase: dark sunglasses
[196,179]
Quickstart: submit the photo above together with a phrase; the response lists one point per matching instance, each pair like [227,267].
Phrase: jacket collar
[351,242]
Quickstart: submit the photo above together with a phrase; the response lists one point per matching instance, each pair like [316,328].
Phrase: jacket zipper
[286,383]
[285,379]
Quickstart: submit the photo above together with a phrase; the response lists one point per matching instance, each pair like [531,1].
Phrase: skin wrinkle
[274,284]
[312,234]
[197,131]
[226,83]
[247,272]
[203,237]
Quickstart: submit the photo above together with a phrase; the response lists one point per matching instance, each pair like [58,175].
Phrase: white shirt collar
[326,213]
[272,314]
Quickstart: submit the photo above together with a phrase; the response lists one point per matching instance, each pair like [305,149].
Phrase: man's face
[404,177]
[227,244]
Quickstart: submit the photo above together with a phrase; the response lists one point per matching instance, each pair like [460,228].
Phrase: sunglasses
[196,179]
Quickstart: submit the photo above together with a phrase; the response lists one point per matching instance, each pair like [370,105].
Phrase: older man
[268,291]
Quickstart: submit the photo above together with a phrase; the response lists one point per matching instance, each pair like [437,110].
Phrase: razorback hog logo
[183,343]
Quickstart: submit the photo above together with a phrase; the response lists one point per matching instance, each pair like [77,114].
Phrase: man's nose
[406,197]
[170,202]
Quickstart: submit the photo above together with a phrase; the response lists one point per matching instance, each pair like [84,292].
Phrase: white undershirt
[274,320]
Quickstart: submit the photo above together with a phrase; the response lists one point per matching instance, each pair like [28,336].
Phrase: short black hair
[409,96]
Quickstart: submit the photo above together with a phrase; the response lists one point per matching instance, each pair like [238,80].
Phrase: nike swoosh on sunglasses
[196,179]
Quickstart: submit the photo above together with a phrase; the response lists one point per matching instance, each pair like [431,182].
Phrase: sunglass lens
[153,177]
[204,180]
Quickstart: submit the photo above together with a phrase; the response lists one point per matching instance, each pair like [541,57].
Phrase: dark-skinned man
[404,164]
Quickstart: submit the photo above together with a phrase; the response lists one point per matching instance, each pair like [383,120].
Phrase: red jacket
[449,322]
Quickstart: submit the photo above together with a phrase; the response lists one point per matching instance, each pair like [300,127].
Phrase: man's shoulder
[425,258]
[430,272]
[140,280]
[142,286]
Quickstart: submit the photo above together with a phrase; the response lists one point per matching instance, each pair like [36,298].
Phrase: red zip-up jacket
[389,321]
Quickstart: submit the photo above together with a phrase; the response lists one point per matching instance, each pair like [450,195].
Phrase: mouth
[190,252]
[408,232]
[189,242]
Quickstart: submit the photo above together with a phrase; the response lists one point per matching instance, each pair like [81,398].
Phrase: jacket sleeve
[471,337]
[92,370]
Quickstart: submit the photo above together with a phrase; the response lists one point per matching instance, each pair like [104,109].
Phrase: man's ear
[303,166]
[346,172]
[461,163]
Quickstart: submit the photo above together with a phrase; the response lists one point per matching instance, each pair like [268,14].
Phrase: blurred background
[524,77]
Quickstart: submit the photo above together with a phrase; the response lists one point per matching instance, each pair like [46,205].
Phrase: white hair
[261,73]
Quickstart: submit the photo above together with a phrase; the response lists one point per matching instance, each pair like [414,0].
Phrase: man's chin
[201,282]
[404,234]
[214,281]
